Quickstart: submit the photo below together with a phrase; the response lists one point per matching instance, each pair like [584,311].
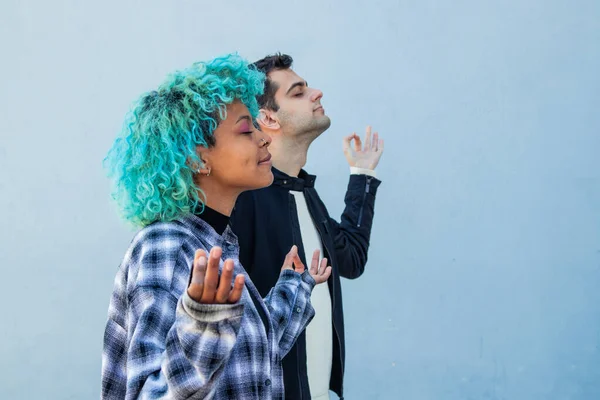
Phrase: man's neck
[289,159]
[289,154]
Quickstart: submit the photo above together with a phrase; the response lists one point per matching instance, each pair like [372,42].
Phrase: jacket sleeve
[177,348]
[290,308]
[352,235]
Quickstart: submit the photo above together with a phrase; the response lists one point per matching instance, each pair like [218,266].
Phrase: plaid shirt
[160,344]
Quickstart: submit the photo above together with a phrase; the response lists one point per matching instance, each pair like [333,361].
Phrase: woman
[180,326]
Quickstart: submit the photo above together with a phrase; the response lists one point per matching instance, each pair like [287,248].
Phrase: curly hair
[151,161]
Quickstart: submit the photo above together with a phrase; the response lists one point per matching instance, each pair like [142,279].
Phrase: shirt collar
[207,234]
[298,184]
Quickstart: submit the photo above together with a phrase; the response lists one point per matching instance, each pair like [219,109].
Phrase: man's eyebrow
[244,117]
[302,83]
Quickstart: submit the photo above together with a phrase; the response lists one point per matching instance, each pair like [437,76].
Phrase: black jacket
[266,223]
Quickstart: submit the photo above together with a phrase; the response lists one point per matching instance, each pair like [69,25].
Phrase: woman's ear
[201,166]
[267,120]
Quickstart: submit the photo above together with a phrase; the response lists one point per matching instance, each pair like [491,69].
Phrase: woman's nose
[265,140]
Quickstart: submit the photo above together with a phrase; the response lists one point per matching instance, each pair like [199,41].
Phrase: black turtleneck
[214,218]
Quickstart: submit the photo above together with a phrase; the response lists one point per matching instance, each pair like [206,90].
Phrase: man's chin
[324,123]
[314,127]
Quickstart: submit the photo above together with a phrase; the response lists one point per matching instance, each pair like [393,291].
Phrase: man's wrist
[363,171]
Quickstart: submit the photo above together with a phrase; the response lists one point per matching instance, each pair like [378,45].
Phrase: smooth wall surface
[484,272]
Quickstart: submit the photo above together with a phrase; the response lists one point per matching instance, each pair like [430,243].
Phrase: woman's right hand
[320,274]
[206,287]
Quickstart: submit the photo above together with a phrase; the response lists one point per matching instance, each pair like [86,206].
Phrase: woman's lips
[266,160]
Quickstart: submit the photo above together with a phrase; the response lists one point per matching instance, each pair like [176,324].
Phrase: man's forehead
[284,77]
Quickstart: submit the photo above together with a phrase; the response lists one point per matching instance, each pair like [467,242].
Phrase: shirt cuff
[363,171]
[211,313]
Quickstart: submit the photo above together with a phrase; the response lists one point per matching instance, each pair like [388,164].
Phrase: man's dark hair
[266,65]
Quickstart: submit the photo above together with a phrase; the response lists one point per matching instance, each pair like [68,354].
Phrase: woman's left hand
[319,273]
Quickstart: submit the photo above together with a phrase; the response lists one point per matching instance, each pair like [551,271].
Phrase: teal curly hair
[151,161]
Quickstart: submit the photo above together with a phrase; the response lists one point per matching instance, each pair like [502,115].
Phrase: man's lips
[319,108]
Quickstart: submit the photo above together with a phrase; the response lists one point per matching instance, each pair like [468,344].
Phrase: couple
[212,298]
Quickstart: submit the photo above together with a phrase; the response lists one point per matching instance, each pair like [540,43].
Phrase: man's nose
[316,95]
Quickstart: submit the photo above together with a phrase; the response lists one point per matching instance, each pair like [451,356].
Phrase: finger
[238,288]
[314,265]
[212,276]
[225,282]
[380,146]
[323,266]
[326,275]
[346,144]
[196,286]
[368,138]
[299,265]
[375,143]
[357,142]
[288,263]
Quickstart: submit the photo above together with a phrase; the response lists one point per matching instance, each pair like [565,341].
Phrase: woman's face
[239,160]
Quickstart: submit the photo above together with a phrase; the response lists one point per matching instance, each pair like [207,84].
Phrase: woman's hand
[206,287]
[320,274]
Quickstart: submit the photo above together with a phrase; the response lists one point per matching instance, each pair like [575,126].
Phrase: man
[269,221]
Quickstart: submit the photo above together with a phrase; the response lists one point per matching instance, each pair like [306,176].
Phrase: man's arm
[352,235]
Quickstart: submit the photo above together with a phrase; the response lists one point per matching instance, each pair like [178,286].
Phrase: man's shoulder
[268,194]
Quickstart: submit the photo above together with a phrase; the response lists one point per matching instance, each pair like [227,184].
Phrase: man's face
[300,111]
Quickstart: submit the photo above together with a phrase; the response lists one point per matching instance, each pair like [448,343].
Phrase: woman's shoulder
[160,256]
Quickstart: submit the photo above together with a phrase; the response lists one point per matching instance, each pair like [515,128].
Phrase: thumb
[298,265]
[288,263]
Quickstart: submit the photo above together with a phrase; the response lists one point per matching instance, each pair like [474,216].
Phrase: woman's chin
[261,180]
[266,180]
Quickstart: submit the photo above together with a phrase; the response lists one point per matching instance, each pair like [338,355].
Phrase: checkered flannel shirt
[160,344]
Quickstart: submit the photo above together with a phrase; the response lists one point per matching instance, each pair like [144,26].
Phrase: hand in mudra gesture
[366,156]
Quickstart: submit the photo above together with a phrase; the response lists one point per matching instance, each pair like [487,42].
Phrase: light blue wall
[484,272]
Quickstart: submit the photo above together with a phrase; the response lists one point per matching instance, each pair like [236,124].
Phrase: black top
[214,218]
[266,224]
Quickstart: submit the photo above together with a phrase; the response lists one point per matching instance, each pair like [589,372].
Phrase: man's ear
[267,119]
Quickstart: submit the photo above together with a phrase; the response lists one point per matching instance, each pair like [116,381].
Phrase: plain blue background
[484,272]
